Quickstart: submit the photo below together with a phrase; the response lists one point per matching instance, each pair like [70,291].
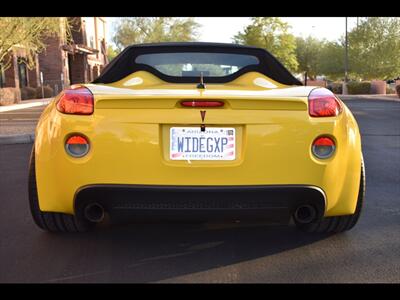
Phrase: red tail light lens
[77,146]
[323,103]
[76,101]
[202,103]
[323,147]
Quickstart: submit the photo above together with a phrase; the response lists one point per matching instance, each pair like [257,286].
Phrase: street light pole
[346,63]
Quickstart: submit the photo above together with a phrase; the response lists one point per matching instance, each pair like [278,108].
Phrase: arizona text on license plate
[190,143]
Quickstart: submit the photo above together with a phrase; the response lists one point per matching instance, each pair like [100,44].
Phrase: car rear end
[284,148]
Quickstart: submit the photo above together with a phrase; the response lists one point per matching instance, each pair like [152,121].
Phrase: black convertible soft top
[124,64]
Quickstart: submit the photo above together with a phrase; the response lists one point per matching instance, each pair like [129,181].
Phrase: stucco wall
[10,95]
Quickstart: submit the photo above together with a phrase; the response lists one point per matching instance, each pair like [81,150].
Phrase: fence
[56,86]
[50,88]
[321,83]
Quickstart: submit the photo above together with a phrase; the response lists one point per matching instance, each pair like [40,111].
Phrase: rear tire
[50,221]
[339,223]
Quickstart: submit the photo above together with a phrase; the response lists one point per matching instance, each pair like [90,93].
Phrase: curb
[369,97]
[24,105]
[27,138]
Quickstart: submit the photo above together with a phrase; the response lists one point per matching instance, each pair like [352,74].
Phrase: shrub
[398,90]
[47,91]
[28,93]
[335,87]
[359,88]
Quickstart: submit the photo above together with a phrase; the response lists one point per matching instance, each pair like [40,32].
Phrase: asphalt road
[370,252]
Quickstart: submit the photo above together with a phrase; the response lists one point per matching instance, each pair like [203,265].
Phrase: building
[60,64]
[64,64]
[17,76]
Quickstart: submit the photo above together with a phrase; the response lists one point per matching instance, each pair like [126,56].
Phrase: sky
[222,29]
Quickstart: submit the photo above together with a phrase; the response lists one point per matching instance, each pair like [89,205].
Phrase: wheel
[339,223]
[50,221]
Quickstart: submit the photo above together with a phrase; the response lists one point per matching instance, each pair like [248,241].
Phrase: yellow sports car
[196,131]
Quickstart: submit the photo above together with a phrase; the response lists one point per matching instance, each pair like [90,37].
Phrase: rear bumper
[130,146]
[144,202]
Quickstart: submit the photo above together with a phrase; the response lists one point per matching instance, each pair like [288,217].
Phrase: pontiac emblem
[203,116]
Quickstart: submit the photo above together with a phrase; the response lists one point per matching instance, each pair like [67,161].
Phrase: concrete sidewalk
[390,97]
[25,104]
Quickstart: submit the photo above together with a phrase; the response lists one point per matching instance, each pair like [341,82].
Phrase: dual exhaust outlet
[94,212]
[305,214]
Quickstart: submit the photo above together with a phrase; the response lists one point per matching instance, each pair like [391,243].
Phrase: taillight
[323,147]
[77,145]
[195,103]
[323,103]
[76,101]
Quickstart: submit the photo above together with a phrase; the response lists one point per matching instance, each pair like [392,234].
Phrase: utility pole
[346,63]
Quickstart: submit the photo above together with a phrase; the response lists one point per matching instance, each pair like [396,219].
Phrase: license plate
[190,143]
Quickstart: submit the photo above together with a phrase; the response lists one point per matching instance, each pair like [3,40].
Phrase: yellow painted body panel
[129,136]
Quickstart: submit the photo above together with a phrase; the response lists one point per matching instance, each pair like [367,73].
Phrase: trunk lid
[252,91]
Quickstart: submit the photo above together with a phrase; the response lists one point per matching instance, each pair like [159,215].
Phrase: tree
[374,48]
[308,52]
[138,30]
[271,34]
[28,34]
[331,60]
[111,52]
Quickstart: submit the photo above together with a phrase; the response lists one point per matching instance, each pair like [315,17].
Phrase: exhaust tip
[94,212]
[305,214]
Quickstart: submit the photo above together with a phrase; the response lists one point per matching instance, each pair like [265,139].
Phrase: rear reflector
[323,103]
[202,103]
[76,139]
[76,101]
[323,147]
[77,145]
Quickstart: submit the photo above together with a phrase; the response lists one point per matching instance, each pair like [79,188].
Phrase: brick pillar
[95,72]
[378,87]
[11,93]
[34,75]
[78,68]
[11,74]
